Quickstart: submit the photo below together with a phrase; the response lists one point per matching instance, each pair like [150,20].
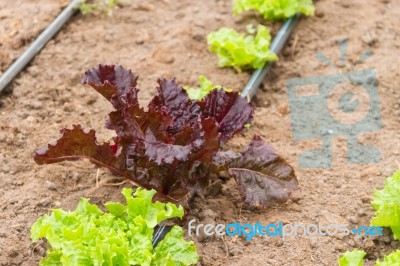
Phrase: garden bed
[20,23]
[168,38]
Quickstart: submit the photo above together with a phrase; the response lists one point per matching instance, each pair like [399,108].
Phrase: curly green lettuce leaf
[121,236]
[90,6]
[352,258]
[386,203]
[390,260]
[205,87]
[152,213]
[174,250]
[275,9]
[241,51]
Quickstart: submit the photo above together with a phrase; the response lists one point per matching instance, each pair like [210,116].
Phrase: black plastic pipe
[38,44]
[277,44]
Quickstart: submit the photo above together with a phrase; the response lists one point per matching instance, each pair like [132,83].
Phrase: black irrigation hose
[277,44]
[249,91]
[38,44]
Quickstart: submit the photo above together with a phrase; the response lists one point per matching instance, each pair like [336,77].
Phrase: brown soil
[167,38]
[21,21]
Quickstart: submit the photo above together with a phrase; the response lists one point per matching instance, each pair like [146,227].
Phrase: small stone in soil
[313,243]
[51,186]
[357,241]
[339,246]
[13,253]
[319,13]
[361,212]
[13,201]
[385,239]
[368,243]
[207,214]
[75,176]
[353,219]
[44,202]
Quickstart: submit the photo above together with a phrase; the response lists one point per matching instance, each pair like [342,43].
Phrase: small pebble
[139,40]
[44,202]
[13,201]
[207,214]
[145,7]
[368,243]
[313,243]
[75,176]
[339,246]
[279,242]
[108,38]
[51,185]
[357,241]
[361,212]
[353,219]
[235,250]
[13,253]
[319,13]
[40,250]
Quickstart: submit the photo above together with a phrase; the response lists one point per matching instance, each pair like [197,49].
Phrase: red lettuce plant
[175,146]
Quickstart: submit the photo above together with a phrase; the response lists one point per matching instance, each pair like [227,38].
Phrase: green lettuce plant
[275,9]
[120,236]
[205,87]
[352,258]
[390,260]
[239,50]
[90,6]
[387,205]
[355,258]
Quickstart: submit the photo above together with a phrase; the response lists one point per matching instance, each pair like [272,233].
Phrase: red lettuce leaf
[174,98]
[77,144]
[110,79]
[162,152]
[264,178]
[174,146]
[229,109]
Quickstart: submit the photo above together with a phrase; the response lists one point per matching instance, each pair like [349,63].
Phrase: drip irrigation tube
[38,44]
[249,91]
[276,47]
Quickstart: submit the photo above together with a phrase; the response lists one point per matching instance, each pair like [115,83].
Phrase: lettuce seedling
[175,146]
[390,260]
[386,203]
[275,9]
[355,258]
[352,258]
[205,86]
[241,51]
[121,236]
[90,6]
